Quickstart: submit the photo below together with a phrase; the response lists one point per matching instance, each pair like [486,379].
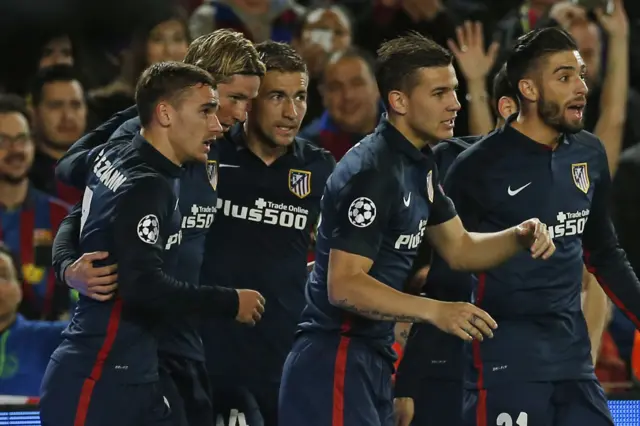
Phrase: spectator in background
[58,50]
[320,33]
[350,95]
[258,20]
[29,218]
[60,119]
[25,346]
[165,37]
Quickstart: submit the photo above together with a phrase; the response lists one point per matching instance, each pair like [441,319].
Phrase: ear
[528,89]
[507,107]
[398,102]
[163,114]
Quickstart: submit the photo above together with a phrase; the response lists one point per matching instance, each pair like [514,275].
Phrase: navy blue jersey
[260,240]
[197,200]
[430,352]
[129,209]
[381,196]
[498,183]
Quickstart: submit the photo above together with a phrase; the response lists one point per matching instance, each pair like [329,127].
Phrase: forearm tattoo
[375,315]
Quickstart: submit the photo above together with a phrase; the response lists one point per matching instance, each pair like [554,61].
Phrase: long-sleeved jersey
[503,180]
[197,205]
[130,209]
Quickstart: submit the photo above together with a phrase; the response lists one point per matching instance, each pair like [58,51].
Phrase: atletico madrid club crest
[580,174]
[212,173]
[430,186]
[300,182]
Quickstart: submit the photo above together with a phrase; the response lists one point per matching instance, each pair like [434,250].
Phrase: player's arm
[604,257]
[142,282]
[74,165]
[473,251]
[353,248]
[76,269]
[594,306]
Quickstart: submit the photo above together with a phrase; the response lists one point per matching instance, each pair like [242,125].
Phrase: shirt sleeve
[442,208]
[65,244]
[150,203]
[603,255]
[73,167]
[362,213]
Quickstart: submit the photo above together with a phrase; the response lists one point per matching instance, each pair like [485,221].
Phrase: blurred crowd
[70,66]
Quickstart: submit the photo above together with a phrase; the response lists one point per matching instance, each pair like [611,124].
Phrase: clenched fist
[464,320]
[534,235]
[250,307]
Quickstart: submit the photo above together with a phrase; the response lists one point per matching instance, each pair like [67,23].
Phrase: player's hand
[403,409]
[534,235]
[97,283]
[251,306]
[462,319]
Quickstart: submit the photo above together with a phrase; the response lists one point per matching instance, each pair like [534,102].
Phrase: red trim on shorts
[339,374]
[481,404]
[96,371]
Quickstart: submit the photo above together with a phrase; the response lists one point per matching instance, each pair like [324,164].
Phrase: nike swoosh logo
[407,200]
[233,166]
[513,192]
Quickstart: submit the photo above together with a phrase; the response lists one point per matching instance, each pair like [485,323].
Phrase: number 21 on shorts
[505,419]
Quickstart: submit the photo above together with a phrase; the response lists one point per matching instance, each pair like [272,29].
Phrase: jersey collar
[238,137]
[522,141]
[397,141]
[155,158]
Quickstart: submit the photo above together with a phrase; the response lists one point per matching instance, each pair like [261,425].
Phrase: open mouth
[577,109]
[286,129]
[450,122]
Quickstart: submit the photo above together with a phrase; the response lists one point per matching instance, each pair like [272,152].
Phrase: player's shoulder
[588,141]
[126,131]
[308,152]
[478,155]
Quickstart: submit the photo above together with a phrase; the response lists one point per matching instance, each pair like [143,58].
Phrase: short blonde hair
[225,53]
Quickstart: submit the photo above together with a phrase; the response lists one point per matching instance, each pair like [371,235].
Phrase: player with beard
[537,370]
[269,195]
[29,218]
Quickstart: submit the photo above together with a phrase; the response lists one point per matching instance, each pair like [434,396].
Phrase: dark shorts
[438,402]
[256,405]
[565,403]
[335,381]
[70,399]
[185,384]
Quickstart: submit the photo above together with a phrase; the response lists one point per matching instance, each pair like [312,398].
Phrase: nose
[289,111]
[240,111]
[455,104]
[582,88]
[214,125]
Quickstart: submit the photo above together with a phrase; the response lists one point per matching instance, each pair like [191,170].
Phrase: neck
[6,321]
[408,133]
[50,151]
[159,140]
[268,154]
[13,194]
[535,129]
